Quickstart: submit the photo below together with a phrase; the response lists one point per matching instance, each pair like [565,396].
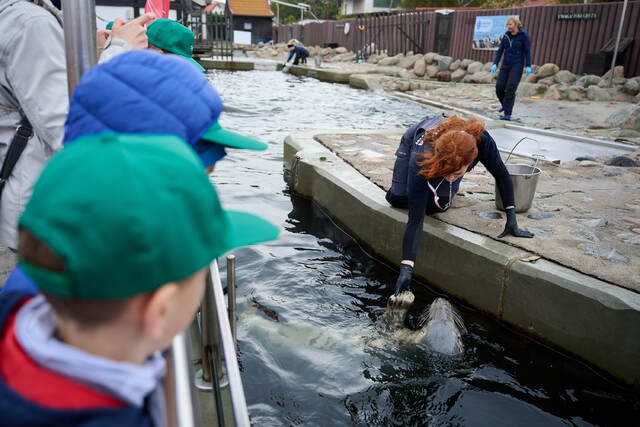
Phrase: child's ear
[155,316]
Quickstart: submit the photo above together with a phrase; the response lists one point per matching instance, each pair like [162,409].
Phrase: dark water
[307,302]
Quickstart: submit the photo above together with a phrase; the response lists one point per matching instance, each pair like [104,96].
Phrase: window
[247,25]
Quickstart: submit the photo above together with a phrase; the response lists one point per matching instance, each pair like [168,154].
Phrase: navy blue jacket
[488,155]
[18,411]
[517,50]
[298,51]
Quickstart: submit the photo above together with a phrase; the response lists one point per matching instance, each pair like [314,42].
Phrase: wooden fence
[563,42]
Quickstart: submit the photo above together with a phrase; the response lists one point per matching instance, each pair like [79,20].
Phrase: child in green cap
[169,36]
[120,260]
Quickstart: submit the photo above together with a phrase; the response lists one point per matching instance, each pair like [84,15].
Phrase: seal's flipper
[397,308]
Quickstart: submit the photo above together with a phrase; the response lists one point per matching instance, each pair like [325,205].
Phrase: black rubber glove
[512,226]
[404,279]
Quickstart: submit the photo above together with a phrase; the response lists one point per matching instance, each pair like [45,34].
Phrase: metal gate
[213,35]
[391,33]
[444,26]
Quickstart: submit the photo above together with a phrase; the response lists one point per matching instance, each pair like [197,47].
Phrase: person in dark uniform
[301,54]
[516,46]
[433,156]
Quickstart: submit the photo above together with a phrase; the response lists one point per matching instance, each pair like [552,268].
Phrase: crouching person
[117,282]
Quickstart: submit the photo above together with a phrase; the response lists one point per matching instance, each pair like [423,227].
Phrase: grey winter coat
[33,82]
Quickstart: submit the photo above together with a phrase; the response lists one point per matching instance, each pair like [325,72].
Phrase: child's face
[181,302]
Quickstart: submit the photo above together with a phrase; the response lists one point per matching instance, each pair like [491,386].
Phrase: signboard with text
[578,16]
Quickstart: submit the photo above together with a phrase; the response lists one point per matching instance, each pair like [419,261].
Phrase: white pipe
[615,51]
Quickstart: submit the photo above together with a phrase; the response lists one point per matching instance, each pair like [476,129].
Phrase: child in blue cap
[146,92]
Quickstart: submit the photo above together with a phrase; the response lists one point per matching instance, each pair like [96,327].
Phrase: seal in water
[440,324]
[441,328]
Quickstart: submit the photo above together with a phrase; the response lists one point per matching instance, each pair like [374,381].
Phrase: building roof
[250,8]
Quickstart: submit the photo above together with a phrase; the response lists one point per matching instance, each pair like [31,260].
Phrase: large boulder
[633,120]
[465,63]
[526,90]
[547,70]
[565,77]
[576,93]
[548,81]
[444,76]
[631,87]
[454,65]
[616,82]
[444,62]
[618,71]
[553,94]
[481,77]
[430,58]
[340,50]
[393,60]
[621,97]
[588,80]
[432,71]
[409,61]
[420,68]
[487,66]
[596,93]
[404,85]
[458,75]
[531,78]
[326,51]
[345,57]
[474,67]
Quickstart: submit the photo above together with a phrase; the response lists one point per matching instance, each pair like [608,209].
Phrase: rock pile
[547,81]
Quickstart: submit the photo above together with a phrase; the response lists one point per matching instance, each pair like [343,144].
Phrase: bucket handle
[535,156]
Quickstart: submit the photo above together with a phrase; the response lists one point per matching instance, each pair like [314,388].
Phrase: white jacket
[33,82]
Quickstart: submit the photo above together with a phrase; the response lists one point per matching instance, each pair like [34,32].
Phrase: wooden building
[254,16]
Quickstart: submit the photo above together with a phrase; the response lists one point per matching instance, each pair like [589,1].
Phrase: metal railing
[220,372]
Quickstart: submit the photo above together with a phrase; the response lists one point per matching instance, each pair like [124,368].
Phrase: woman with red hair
[431,160]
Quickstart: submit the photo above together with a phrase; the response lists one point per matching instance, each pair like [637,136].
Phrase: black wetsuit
[418,194]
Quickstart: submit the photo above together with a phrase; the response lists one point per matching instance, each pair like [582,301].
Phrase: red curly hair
[455,144]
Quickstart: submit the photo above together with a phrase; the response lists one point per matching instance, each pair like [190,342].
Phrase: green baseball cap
[173,37]
[128,213]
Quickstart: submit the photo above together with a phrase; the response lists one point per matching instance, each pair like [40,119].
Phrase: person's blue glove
[527,71]
[493,69]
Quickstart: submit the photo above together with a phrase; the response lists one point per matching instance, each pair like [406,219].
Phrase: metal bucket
[524,179]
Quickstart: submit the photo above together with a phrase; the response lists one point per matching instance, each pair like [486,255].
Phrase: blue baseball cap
[142,91]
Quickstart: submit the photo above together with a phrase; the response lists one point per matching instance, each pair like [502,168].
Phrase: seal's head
[441,328]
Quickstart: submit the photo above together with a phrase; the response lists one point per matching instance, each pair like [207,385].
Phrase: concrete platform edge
[595,320]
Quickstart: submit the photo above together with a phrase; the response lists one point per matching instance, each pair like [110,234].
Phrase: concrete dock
[574,285]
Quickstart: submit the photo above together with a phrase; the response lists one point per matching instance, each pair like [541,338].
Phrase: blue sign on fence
[488,31]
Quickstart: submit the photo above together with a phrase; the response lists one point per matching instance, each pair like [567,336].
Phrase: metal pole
[238,402]
[79,38]
[301,14]
[278,13]
[231,294]
[180,399]
[615,51]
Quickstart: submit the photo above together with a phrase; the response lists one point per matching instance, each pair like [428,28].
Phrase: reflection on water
[320,360]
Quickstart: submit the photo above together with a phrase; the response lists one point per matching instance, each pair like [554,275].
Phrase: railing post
[231,294]
[178,388]
[79,39]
